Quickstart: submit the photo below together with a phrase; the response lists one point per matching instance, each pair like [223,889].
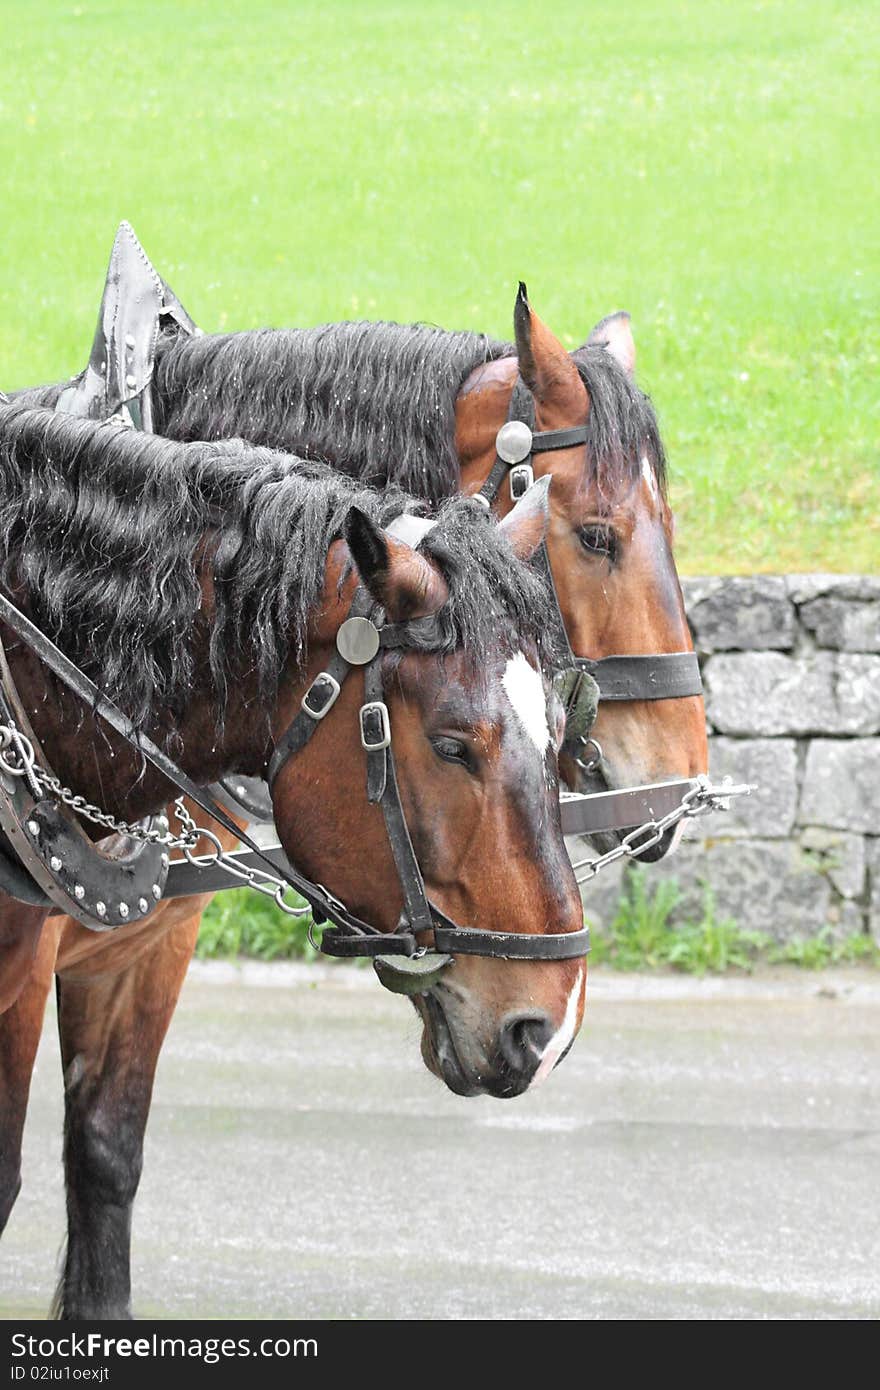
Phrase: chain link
[17,759]
[260,880]
[699,801]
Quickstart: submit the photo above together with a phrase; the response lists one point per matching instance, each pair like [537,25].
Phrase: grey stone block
[849,625]
[872,858]
[764,885]
[770,765]
[840,855]
[699,587]
[846,919]
[841,786]
[749,613]
[804,587]
[769,693]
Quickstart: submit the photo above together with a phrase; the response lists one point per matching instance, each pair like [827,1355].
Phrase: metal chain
[699,801]
[17,759]
[261,880]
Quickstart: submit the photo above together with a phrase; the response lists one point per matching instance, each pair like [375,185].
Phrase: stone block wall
[791,667]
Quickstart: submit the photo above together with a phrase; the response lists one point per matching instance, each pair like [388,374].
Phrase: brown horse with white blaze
[218,581]
[610,536]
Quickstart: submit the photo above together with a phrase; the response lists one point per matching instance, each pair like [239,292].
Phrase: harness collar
[136,305]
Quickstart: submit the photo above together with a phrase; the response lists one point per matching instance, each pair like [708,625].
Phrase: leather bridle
[361,640]
[658,676]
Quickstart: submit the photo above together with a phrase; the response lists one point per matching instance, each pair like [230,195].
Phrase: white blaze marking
[525,691]
[564,1033]
[648,475]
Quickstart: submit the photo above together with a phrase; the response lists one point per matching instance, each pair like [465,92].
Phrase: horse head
[476,728]
[609,537]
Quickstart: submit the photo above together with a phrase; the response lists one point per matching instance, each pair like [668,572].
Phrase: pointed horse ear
[526,526]
[404,582]
[546,368]
[614,333]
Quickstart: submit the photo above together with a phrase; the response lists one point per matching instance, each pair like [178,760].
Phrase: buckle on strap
[375,726]
[321,695]
[521,479]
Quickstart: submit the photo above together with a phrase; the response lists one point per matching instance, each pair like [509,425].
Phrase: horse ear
[526,526]
[614,333]
[546,367]
[404,582]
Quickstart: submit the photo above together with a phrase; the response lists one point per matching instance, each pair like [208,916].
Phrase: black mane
[102,537]
[375,400]
[622,427]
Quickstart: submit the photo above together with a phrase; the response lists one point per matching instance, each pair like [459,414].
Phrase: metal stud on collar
[513,442]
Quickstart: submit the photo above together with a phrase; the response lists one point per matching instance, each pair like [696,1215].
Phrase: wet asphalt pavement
[706,1151]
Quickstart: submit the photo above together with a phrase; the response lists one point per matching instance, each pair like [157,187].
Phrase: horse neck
[97,763]
[89,757]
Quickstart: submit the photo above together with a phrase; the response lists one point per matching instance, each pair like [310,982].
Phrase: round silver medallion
[513,443]
[357,641]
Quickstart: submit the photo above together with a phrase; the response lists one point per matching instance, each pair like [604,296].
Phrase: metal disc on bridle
[513,443]
[357,641]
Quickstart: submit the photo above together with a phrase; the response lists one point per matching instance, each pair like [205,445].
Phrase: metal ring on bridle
[589,764]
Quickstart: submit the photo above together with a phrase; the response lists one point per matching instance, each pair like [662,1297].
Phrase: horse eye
[452,750]
[599,540]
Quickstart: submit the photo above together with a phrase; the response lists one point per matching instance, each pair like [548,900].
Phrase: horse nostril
[523,1040]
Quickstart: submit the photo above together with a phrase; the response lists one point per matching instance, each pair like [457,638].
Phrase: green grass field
[711,166]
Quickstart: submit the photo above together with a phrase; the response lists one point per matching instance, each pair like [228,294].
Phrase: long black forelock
[494,599]
[102,535]
[376,399]
[622,427]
